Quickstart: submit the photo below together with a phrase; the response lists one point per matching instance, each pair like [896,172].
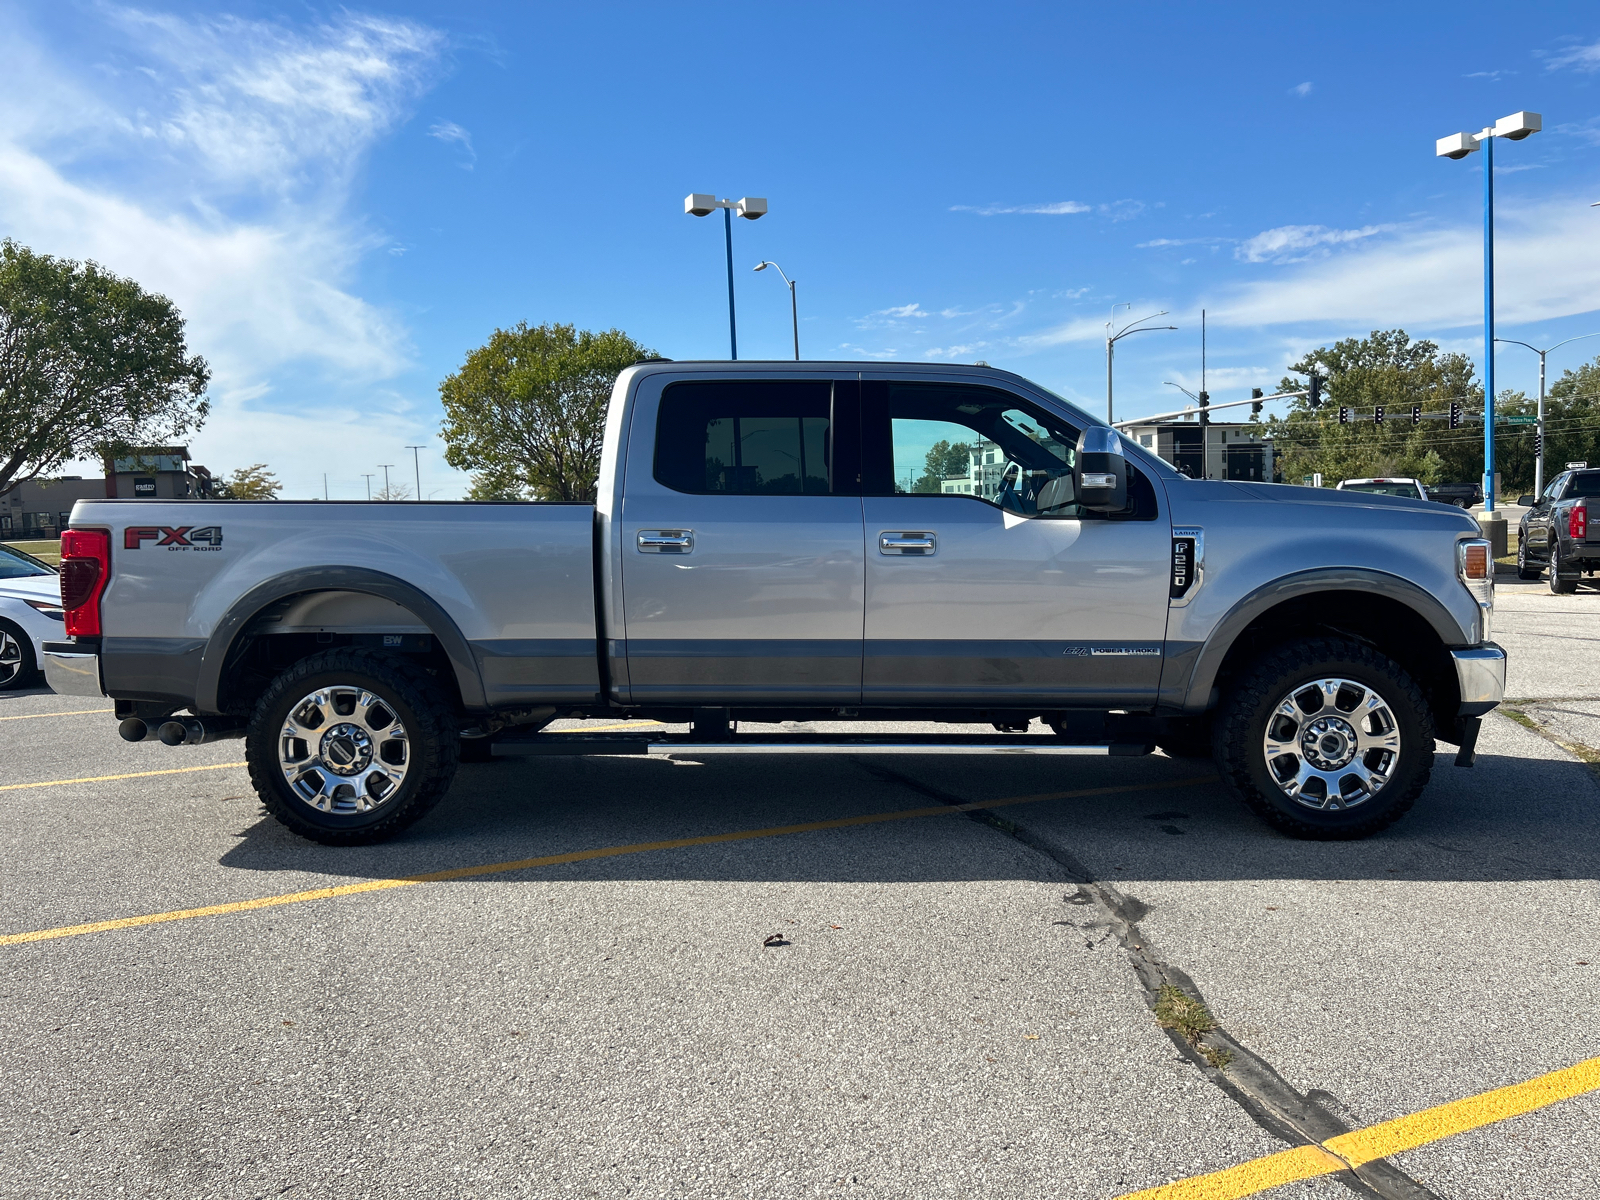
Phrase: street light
[416,467]
[387,494]
[1113,338]
[751,208]
[1458,145]
[1538,458]
[794,312]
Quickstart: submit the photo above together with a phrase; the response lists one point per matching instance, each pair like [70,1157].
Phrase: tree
[393,491]
[526,411]
[945,459]
[249,483]
[90,365]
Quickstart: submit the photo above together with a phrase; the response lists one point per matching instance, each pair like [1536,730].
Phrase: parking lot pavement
[952,1011]
[1552,642]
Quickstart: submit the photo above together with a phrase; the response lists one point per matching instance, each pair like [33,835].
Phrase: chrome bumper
[1481,677]
[72,670]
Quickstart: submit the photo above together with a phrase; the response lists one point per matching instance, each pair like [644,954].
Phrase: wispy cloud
[1296,243]
[1302,90]
[1489,75]
[1580,58]
[449,132]
[1056,209]
[1156,243]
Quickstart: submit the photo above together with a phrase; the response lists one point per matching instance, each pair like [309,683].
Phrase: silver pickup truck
[770,545]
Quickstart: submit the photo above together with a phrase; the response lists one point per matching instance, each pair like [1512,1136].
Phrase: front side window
[745,438]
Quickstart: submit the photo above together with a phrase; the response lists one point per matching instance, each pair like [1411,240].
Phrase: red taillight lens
[1578,521]
[85,568]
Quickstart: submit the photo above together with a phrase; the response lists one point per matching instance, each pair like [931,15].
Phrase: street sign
[1522,419]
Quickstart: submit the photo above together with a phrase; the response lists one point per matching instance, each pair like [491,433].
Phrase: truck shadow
[1512,818]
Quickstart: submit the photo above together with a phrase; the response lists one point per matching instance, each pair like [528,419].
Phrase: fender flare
[348,579]
[1194,694]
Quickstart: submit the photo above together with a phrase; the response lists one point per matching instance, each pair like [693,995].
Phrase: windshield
[14,564]
[1408,490]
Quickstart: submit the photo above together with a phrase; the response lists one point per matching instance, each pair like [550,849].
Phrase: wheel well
[1385,624]
[297,626]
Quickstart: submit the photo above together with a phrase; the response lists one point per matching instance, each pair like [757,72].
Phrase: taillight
[1578,521]
[85,569]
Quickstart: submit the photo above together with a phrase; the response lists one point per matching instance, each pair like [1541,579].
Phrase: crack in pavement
[1248,1079]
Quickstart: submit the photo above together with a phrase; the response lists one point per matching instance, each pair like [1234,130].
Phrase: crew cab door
[742,571]
[986,585]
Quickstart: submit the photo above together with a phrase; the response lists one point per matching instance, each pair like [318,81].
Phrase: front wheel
[349,747]
[1325,739]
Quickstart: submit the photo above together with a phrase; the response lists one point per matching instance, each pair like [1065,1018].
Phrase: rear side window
[745,438]
[1584,483]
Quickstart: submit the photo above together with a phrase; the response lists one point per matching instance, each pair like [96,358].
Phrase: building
[1220,450]
[40,508]
[985,463]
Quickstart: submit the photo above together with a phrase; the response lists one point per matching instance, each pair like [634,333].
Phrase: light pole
[368,478]
[1538,458]
[387,495]
[752,208]
[794,311]
[417,468]
[1458,145]
[1112,338]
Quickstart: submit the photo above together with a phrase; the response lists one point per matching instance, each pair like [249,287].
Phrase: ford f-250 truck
[768,546]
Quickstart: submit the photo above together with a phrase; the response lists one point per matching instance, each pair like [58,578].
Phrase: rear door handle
[666,541]
[922,543]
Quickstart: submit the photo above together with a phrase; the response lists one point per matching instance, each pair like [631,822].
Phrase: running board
[660,744]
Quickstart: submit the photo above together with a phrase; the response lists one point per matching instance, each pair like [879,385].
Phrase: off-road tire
[1241,724]
[28,669]
[1558,585]
[1524,571]
[414,697]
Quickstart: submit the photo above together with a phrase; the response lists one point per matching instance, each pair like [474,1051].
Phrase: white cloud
[1582,58]
[448,132]
[1301,90]
[903,311]
[1056,209]
[1296,243]
[1159,242]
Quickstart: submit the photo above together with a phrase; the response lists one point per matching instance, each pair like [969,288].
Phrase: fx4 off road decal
[183,537]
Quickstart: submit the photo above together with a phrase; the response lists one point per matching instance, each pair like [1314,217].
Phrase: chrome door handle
[666,541]
[908,543]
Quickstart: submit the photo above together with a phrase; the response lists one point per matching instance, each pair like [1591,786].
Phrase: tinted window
[14,564]
[1409,490]
[745,438]
[1584,483]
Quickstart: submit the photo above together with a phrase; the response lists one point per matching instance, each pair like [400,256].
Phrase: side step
[659,744]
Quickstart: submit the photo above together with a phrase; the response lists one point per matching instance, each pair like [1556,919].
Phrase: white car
[30,614]
[1411,489]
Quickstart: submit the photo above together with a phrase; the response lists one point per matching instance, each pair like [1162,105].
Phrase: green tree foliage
[945,459]
[1390,369]
[526,411]
[249,483]
[90,364]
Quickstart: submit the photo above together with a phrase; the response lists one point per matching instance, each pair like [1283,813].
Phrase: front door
[986,584]
[742,566]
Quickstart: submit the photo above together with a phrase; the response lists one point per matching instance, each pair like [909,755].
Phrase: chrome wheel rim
[344,750]
[10,658]
[1331,743]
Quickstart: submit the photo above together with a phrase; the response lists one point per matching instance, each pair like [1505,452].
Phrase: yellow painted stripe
[77,712]
[550,860]
[603,728]
[1382,1140]
[12,787]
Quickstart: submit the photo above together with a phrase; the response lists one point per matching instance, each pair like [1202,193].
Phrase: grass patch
[1179,1011]
[47,549]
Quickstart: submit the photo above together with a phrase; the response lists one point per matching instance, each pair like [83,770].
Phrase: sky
[344,201]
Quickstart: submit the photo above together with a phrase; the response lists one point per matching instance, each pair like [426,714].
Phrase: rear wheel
[349,747]
[17,666]
[1326,739]
[1558,585]
[1524,571]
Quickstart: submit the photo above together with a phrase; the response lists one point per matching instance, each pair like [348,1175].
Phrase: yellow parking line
[550,860]
[12,787]
[77,712]
[603,728]
[1379,1141]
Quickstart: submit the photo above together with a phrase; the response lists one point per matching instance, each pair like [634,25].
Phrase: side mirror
[1527,501]
[1101,471]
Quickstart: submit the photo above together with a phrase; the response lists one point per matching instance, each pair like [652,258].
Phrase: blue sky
[344,201]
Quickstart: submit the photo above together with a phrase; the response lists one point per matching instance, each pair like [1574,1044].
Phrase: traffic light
[1344,414]
[1455,414]
[1538,443]
[1416,414]
[1314,394]
[1205,408]
[1255,409]
[1377,415]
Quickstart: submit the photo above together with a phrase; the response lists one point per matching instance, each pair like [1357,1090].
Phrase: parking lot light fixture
[794,312]
[1514,128]
[751,208]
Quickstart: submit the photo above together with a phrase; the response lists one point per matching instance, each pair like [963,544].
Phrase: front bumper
[71,669]
[1481,678]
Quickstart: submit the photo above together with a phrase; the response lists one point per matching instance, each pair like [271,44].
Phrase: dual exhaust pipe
[182,731]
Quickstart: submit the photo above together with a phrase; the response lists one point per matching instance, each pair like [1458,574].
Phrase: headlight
[1475,569]
[47,608]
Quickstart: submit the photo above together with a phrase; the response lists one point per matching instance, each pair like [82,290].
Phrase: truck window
[1584,483]
[745,438]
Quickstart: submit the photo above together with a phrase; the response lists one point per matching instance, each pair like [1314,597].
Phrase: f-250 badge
[183,537]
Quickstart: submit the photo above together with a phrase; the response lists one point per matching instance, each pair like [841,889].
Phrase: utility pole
[324,485]
[417,468]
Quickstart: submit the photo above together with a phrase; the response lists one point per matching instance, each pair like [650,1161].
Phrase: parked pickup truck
[1555,532]
[766,547]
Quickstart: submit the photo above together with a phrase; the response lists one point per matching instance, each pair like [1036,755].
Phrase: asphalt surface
[947,1014]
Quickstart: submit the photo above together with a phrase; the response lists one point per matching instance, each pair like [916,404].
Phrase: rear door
[742,560]
[986,584]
